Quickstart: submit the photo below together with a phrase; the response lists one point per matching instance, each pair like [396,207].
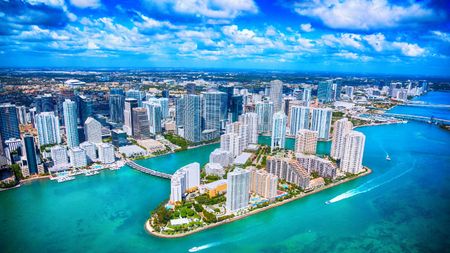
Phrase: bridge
[425,104]
[419,118]
[148,171]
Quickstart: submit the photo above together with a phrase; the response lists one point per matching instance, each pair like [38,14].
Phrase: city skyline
[382,37]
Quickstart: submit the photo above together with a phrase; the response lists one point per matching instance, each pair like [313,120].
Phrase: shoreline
[149,229]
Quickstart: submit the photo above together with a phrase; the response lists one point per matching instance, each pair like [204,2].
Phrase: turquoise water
[403,206]
[442,98]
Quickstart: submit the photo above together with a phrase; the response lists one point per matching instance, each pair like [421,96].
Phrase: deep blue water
[438,98]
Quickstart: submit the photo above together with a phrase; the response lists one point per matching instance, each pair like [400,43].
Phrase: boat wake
[366,187]
[206,246]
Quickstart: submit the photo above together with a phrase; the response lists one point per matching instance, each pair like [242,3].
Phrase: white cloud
[441,35]
[362,14]
[53,3]
[343,40]
[347,55]
[244,36]
[306,27]
[377,41]
[270,31]
[86,3]
[222,9]
[188,46]
[408,49]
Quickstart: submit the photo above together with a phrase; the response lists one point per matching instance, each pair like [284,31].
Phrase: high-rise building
[231,142]
[130,103]
[251,120]
[106,153]
[321,122]
[78,158]
[312,163]
[298,119]
[263,183]
[341,128]
[59,156]
[44,103]
[349,92]
[306,142]
[9,123]
[164,102]
[222,157]
[93,130]
[154,115]
[276,93]
[119,138]
[192,118]
[90,150]
[353,152]
[70,122]
[278,130]
[30,154]
[116,108]
[116,91]
[236,108]
[84,106]
[141,126]
[165,94]
[264,110]
[190,88]
[214,109]
[136,94]
[179,111]
[22,114]
[325,91]
[47,125]
[184,179]
[238,190]
[306,96]
[289,170]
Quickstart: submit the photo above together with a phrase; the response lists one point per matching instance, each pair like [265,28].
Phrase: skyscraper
[84,105]
[306,142]
[341,128]
[93,130]
[9,123]
[106,153]
[47,125]
[321,122]
[264,110]
[190,88]
[192,118]
[352,156]
[263,183]
[251,120]
[238,189]
[136,94]
[230,142]
[30,154]
[325,91]
[141,127]
[22,114]
[116,108]
[214,108]
[179,111]
[278,130]
[90,150]
[276,93]
[306,97]
[78,158]
[299,119]
[130,103]
[44,103]
[236,108]
[154,115]
[70,122]
[184,179]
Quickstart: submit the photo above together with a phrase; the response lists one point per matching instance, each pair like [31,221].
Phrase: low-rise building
[214,169]
[323,167]
[132,151]
[214,188]
[220,156]
[288,169]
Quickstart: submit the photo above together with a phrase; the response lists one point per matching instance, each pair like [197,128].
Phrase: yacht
[64,179]
[387,157]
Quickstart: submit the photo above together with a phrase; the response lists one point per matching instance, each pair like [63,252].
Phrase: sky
[360,36]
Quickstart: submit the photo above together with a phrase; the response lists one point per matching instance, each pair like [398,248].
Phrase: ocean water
[403,206]
[438,98]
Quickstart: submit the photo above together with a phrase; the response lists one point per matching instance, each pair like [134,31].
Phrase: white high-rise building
[353,152]
[264,110]
[278,130]
[106,153]
[184,179]
[238,190]
[154,114]
[321,122]
[130,103]
[220,156]
[276,94]
[70,122]
[47,125]
[59,156]
[77,157]
[251,120]
[299,119]
[93,130]
[90,149]
[231,142]
[306,142]
[341,128]
[306,96]
[214,169]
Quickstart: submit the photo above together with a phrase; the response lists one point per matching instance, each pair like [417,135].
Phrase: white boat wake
[366,187]
[206,246]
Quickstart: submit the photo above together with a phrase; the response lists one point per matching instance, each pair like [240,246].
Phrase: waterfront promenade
[151,231]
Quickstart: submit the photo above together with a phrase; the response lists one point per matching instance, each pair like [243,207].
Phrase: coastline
[149,229]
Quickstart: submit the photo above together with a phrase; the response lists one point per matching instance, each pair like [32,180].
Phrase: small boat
[194,249]
[65,178]
[388,158]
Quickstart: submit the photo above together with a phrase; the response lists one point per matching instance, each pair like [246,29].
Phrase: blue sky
[377,36]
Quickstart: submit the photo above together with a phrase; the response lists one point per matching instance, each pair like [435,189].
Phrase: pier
[145,170]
